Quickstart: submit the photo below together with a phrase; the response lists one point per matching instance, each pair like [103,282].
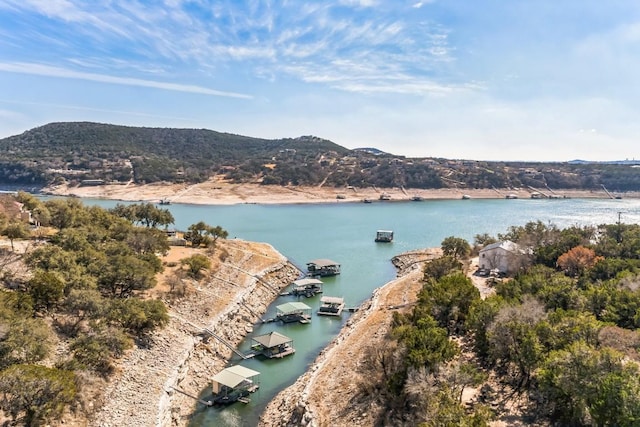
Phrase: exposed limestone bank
[181,356]
[327,394]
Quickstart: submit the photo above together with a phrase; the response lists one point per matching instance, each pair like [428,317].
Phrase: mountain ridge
[78,152]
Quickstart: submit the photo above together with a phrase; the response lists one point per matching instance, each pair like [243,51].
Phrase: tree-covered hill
[111,152]
[81,151]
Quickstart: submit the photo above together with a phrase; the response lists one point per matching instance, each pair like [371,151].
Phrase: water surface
[345,232]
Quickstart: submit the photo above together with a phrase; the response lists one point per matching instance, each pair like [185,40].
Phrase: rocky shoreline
[217,192]
[157,385]
[328,393]
[181,356]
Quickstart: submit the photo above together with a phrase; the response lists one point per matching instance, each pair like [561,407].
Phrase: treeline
[83,294]
[559,340]
[77,151]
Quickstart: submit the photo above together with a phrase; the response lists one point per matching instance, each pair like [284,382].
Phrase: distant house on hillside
[507,257]
[13,210]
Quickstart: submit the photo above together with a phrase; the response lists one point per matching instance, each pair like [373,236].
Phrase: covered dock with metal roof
[293,312]
[273,345]
[233,383]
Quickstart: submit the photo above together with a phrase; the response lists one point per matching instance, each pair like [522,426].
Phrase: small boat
[367,201]
[416,199]
[165,201]
[511,196]
[466,197]
[385,196]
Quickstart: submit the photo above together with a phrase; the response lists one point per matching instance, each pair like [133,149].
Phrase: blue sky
[472,79]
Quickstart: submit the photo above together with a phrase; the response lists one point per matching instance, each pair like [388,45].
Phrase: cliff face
[180,356]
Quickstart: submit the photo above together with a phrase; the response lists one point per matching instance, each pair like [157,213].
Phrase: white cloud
[359,3]
[49,71]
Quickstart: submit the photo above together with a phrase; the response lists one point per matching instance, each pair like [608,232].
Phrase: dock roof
[292,306]
[322,262]
[234,375]
[305,282]
[272,339]
[332,300]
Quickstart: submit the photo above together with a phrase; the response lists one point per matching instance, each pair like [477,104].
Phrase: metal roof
[234,375]
[507,245]
[272,339]
[292,306]
[323,262]
[332,300]
[305,282]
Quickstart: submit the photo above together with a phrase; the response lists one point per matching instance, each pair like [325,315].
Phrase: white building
[506,257]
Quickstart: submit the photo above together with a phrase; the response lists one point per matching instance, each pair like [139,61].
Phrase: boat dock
[305,287]
[331,306]
[273,345]
[385,236]
[293,312]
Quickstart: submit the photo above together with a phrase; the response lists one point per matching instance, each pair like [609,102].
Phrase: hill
[95,153]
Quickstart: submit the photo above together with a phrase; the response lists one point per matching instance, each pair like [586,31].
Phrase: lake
[345,232]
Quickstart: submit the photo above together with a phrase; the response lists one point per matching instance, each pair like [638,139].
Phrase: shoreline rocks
[180,356]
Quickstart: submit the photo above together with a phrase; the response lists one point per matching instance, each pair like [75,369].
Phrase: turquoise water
[345,232]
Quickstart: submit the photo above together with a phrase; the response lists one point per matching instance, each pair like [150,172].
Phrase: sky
[538,80]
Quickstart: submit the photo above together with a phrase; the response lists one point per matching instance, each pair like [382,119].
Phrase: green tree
[440,267]
[455,247]
[196,263]
[24,340]
[483,239]
[197,234]
[148,241]
[427,344]
[448,300]
[97,350]
[64,213]
[481,315]
[201,234]
[138,316]
[514,344]
[218,232]
[125,274]
[582,383]
[46,289]
[146,214]
[15,230]
[34,395]
[66,263]
[83,304]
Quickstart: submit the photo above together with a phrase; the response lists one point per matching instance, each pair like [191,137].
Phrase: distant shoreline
[223,193]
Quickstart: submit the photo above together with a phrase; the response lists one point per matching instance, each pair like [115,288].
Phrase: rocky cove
[155,384]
